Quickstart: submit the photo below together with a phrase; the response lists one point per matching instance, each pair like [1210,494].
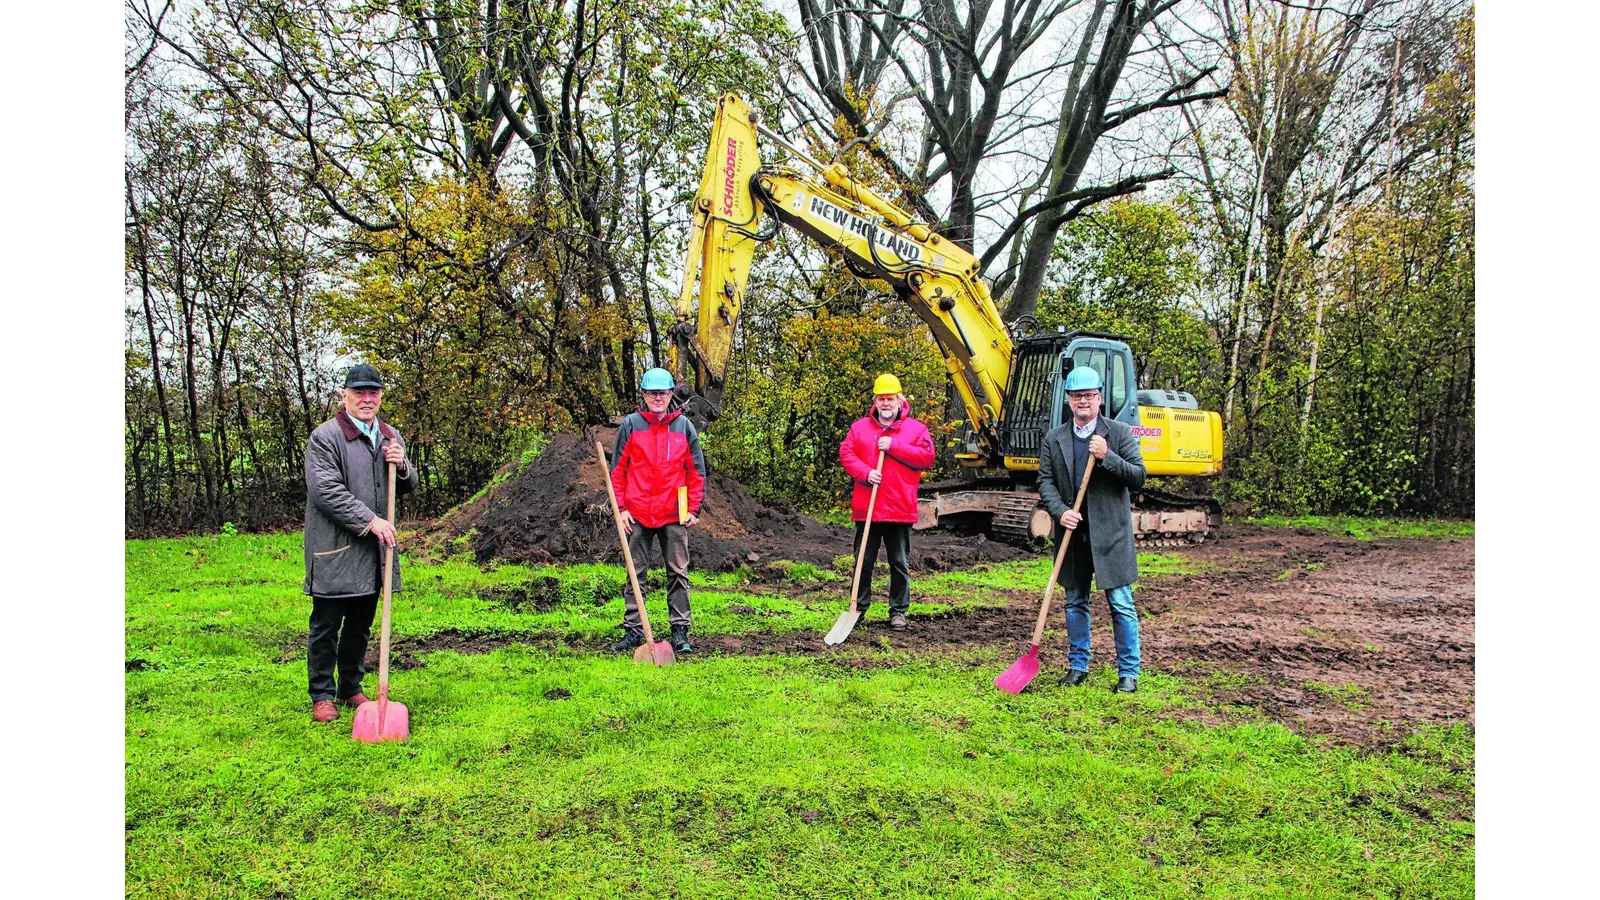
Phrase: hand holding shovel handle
[1014,679]
[660,654]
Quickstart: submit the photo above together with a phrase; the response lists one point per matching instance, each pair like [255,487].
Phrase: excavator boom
[938,278]
[1011,386]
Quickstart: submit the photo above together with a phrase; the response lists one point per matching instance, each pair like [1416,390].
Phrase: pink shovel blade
[376,723]
[1014,679]
[663,654]
[659,653]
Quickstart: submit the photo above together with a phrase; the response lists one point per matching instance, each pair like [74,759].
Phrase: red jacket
[652,457]
[910,451]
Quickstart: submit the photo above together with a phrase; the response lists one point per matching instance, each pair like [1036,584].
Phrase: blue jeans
[1124,625]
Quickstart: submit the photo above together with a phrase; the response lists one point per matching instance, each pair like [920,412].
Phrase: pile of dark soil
[556,510]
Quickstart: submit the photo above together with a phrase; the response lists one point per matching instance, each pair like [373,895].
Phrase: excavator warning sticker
[1145,431]
[843,218]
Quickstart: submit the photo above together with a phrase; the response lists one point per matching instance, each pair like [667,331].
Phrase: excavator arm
[740,204]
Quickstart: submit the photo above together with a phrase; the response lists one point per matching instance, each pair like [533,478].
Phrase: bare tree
[974,83]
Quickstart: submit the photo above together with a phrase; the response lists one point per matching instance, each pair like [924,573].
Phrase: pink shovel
[383,719]
[1014,679]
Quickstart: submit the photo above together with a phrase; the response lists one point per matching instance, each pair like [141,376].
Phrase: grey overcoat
[347,486]
[1106,506]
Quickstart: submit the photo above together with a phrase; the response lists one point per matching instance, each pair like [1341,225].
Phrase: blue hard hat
[1083,378]
[657,380]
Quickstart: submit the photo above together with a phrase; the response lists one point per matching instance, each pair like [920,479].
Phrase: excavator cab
[1037,399]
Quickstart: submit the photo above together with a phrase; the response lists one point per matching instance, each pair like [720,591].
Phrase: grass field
[1368,529]
[534,772]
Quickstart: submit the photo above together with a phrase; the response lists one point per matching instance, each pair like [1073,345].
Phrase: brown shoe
[354,700]
[898,621]
[324,711]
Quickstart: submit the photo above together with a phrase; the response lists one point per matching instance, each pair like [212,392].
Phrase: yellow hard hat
[886,384]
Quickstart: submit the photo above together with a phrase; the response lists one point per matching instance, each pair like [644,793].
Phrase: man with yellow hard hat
[907,450]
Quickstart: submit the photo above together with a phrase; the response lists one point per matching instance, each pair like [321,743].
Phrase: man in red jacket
[657,452]
[908,450]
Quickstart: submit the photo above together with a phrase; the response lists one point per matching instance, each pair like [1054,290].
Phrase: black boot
[1074,677]
[680,639]
[630,640]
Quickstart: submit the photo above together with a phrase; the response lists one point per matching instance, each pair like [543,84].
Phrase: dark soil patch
[543,593]
[406,653]
[558,694]
[1373,632]
[137,665]
[942,633]
[556,510]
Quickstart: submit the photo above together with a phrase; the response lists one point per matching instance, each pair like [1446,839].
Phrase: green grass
[1350,696]
[723,776]
[1368,529]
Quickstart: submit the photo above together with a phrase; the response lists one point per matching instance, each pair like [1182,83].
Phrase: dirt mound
[555,510]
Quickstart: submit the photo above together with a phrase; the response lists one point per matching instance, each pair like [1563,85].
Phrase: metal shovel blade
[842,628]
[381,720]
[1014,679]
[659,653]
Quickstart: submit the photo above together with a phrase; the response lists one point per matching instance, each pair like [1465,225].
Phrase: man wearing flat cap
[347,487]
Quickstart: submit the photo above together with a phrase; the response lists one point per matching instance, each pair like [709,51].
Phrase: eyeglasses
[657,394]
[1084,395]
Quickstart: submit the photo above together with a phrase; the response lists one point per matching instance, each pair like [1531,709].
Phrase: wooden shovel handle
[861,552]
[388,575]
[627,554]
[1061,554]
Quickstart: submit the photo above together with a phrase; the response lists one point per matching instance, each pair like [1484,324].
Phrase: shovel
[1014,679]
[848,619]
[380,719]
[658,653]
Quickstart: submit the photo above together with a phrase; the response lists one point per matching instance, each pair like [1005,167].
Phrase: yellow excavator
[1011,385]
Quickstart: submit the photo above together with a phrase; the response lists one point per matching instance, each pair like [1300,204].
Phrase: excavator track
[1170,519]
[1160,518]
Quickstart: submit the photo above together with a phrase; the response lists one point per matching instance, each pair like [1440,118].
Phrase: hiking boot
[1074,677]
[354,700]
[1126,685]
[324,711]
[680,639]
[630,640]
[897,621]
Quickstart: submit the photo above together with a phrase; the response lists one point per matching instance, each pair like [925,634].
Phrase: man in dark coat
[347,490]
[1102,536]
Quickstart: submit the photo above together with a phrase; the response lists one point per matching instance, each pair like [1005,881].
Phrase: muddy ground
[1355,641]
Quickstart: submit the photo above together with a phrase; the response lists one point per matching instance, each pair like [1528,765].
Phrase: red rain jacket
[651,458]
[910,452]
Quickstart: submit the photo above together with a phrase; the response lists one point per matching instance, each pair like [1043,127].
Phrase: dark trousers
[340,627]
[672,540]
[896,540]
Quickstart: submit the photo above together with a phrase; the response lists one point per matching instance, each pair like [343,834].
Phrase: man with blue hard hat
[656,457]
[1102,536]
